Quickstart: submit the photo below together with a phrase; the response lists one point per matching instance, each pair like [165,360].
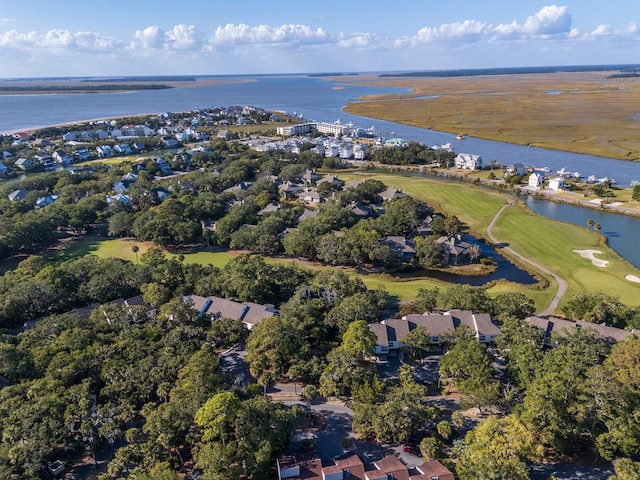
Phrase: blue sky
[42,38]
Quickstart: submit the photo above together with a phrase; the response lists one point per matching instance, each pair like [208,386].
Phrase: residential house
[160,193]
[136,308]
[556,183]
[164,166]
[18,195]
[44,201]
[138,146]
[360,209]
[82,154]
[468,161]
[62,157]
[332,180]
[24,164]
[405,247]
[331,151]
[515,169]
[290,190]
[225,134]
[215,307]
[359,151]
[270,208]
[561,327]
[309,467]
[3,169]
[118,198]
[123,149]
[392,193]
[104,151]
[536,179]
[390,332]
[170,142]
[454,249]
[308,213]
[310,177]
[310,195]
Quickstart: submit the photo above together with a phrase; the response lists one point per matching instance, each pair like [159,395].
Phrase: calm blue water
[621,230]
[313,97]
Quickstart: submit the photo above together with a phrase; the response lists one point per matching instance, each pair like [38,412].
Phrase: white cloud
[550,20]
[180,37]
[6,21]
[359,40]
[60,40]
[458,32]
[266,34]
[150,37]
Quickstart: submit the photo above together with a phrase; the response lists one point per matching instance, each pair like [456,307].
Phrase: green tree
[498,448]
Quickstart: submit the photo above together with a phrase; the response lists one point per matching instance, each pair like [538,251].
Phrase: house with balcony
[468,161]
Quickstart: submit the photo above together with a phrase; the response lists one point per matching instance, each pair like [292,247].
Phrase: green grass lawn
[551,244]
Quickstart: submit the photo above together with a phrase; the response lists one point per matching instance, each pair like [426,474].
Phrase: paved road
[562,285]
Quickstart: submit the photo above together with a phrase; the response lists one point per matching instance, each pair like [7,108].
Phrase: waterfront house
[454,249]
[556,183]
[468,161]
[536,179]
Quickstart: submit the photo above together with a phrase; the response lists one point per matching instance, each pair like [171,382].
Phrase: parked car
[412,449]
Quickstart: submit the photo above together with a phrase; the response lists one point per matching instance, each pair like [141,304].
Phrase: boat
[576,175]
[542,169]
[591,179]
[459,136]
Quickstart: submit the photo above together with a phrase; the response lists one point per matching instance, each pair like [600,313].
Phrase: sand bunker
[589,254]
[632,278]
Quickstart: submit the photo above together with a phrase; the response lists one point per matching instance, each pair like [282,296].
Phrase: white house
[536,179]
[468,161]
[556,183]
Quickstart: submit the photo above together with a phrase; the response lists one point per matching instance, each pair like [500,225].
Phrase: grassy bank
[583,112]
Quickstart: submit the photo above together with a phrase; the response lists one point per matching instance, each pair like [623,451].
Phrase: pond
[505,271]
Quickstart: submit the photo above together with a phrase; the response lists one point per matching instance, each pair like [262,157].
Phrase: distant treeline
[80,88]
[510,71]
[159,78]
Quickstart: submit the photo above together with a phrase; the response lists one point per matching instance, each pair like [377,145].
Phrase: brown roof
[432,469]
[354,465]
[391,464]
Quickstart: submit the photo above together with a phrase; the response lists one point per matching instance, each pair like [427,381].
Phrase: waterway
[312,97]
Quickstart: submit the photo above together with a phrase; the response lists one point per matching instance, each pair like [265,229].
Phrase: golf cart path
[562,285]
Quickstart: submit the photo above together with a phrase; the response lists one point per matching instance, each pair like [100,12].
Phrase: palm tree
[590,223]
[135,249]
[597,226]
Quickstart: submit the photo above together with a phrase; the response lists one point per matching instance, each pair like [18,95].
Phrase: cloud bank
[551,28]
